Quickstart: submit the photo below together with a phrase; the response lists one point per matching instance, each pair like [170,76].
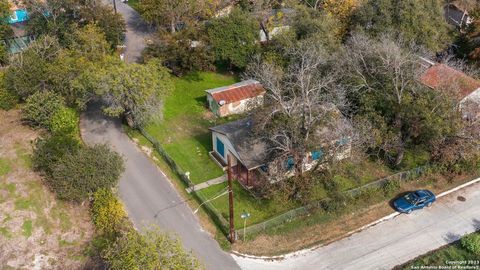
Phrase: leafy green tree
[234,38]
[56,18]
[79,174]
[29,71]
[421,22]
[135,91]
[111,24]
[392,108]
[41,107]
[60,18]
[174,14]
[318,26]
[182,52]
[5,12]
[151,250]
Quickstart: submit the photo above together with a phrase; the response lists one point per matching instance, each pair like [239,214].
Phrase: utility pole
[114,6]
[230,199]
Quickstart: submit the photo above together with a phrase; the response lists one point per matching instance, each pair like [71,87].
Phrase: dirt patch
[36,230]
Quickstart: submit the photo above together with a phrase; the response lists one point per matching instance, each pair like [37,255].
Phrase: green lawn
[183,131]
[260,210]
[450,253]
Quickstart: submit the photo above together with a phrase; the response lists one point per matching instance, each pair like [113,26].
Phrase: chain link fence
[217,218]
[288,216]
[305,210]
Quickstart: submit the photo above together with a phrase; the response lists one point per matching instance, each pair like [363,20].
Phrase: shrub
[79,174]
[40,108]
[48,151]
[151,250]
[64,122]
[107,212]
[471,243]
[7,99]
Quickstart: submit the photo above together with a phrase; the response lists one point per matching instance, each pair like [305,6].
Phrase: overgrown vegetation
[466,250]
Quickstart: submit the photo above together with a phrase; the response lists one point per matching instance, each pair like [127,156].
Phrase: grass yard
[449,253]
[348,176]
[32,221]
[183,131]
[260,210]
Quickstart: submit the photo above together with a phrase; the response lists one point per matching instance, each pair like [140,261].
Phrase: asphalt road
[147,194]
[137,31]
[392,242]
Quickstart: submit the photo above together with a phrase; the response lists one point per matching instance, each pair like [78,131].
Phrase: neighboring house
[274,32]
[236,98]
[19,13]
[440,76]
[249,155]
[457,15]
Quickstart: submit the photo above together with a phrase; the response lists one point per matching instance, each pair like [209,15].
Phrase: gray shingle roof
[252,151]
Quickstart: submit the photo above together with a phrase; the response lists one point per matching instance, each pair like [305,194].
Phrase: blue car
[414,200]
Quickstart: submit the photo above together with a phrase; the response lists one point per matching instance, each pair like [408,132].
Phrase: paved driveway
[393,242]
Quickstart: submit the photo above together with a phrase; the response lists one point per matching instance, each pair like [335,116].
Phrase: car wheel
[429,204]
[409,211]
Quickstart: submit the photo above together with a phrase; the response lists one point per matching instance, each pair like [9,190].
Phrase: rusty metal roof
[441,75]
[237,92]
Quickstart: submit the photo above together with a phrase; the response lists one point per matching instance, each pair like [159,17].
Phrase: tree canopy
[233,38]
[421,22]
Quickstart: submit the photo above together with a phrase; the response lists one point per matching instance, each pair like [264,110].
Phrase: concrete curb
[378,221]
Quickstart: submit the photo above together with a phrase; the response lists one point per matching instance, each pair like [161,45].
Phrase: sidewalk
[211,182]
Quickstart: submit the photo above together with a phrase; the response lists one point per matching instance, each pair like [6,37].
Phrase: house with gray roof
[249,155]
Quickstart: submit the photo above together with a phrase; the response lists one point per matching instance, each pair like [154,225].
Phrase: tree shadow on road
[451,237]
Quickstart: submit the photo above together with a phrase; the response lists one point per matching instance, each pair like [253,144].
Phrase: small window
[316,155]
[343,141]
[290,163]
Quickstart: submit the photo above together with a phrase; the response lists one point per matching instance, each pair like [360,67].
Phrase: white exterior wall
[474,97]
[275,31]
[228,147]
[240,106]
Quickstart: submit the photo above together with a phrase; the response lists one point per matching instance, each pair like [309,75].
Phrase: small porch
[247,178]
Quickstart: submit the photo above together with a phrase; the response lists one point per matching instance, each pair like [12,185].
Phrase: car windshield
[411,198]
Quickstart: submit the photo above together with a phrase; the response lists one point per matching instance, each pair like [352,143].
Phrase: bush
[40,108]
[107,212]
[471,243]
[48,151]
[151,250]
[64,122]
[7,99]
[79,174]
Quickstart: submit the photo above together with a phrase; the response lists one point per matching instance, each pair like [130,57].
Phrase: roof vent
[221,102]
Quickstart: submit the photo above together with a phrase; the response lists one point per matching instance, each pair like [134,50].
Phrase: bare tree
[388,73]
[301,111]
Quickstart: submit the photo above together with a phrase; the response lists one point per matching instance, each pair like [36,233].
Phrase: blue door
[220,147]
